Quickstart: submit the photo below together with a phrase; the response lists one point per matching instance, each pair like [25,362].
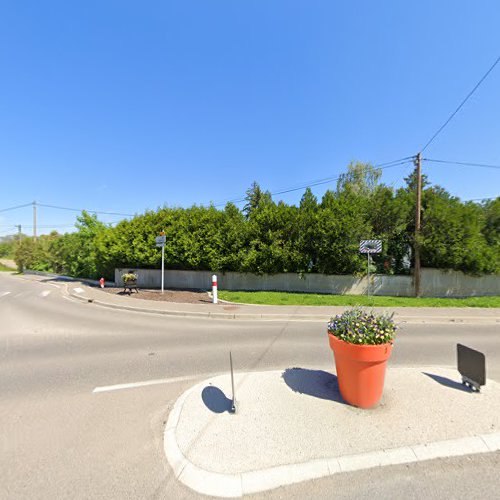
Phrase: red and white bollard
[214,289]
[101,282]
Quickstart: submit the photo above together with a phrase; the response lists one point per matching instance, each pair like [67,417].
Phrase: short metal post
[233,402]
[368,274]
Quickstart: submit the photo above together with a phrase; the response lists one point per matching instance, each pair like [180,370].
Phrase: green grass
[312,299]
[5,268]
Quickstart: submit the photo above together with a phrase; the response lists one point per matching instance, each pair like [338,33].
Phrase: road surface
[60,439]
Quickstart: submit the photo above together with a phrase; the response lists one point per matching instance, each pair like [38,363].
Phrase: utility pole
[19,232]
[418,209]
[34,221]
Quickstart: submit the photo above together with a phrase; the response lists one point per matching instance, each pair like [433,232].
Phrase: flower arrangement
[128,277]
[356,326]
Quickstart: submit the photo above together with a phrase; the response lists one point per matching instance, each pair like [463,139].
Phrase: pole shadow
[215,400]
[448,382]
[316,383]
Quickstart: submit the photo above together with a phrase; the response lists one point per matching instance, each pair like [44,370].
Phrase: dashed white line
[45,293]
[3,294]
[78,290]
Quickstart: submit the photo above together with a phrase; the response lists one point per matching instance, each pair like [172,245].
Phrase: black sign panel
[471,364]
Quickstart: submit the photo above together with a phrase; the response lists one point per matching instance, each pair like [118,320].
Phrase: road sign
[471,365]
[370,246]
[160,241]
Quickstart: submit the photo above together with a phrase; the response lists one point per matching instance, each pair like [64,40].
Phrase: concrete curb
[248,482]
[277,317]
[66,278]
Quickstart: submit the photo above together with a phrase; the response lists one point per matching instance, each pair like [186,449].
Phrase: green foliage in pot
[128,277]
[359,327]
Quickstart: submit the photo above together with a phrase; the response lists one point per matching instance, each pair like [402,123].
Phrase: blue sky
[122,106]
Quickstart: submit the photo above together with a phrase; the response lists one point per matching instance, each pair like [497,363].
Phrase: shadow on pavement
[215,400]
[317,383]
[447,382]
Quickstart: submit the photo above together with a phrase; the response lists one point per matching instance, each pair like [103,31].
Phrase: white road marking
[53,284]
[3,294]
[45,293]
[78,290]
[118,387]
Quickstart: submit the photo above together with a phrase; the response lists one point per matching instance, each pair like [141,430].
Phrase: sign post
[160,242]
[162,266]
[369,247]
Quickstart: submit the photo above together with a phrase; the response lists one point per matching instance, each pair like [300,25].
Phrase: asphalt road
[60,440]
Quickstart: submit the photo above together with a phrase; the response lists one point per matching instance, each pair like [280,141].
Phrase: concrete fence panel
[435,283]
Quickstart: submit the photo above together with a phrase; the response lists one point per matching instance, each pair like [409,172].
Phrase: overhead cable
[326,180]
[82,209]
[440,129]
[463,163]
[16,207]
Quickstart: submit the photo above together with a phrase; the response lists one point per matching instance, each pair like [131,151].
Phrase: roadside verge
[88,291]
[424,315]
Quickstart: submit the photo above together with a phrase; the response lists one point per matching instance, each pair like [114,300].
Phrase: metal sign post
[160,242]
[162,266]
[369,247]
[368,274]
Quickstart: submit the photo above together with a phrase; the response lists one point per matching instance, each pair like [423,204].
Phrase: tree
[255,199]
[360,178]
[341,225]
[308,232]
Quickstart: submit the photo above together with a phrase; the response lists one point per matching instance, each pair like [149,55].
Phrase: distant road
[60,439]
[8,263]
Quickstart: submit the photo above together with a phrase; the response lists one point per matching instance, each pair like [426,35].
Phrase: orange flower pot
[360,371]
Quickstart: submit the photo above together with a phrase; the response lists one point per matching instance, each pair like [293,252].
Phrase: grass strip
[6,269]
[313,299]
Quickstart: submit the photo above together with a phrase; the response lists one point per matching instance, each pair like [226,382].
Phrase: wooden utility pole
[34,221]
[418,209]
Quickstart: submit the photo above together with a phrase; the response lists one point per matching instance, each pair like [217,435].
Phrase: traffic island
[292,425]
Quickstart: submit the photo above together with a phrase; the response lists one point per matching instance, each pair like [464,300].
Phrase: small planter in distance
[362,344]
[129,282]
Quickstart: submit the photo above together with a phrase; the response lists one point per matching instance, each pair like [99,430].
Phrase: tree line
[317,236]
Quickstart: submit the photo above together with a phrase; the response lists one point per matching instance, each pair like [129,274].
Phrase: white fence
[435,283]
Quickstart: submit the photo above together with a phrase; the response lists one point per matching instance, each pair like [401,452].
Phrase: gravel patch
[181,296]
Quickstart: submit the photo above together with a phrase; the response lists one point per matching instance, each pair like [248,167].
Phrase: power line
[48,226]
[482,199]
[466,164]
[66,208]
[461,104]
[82,209]
[16,207]
[326,180]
